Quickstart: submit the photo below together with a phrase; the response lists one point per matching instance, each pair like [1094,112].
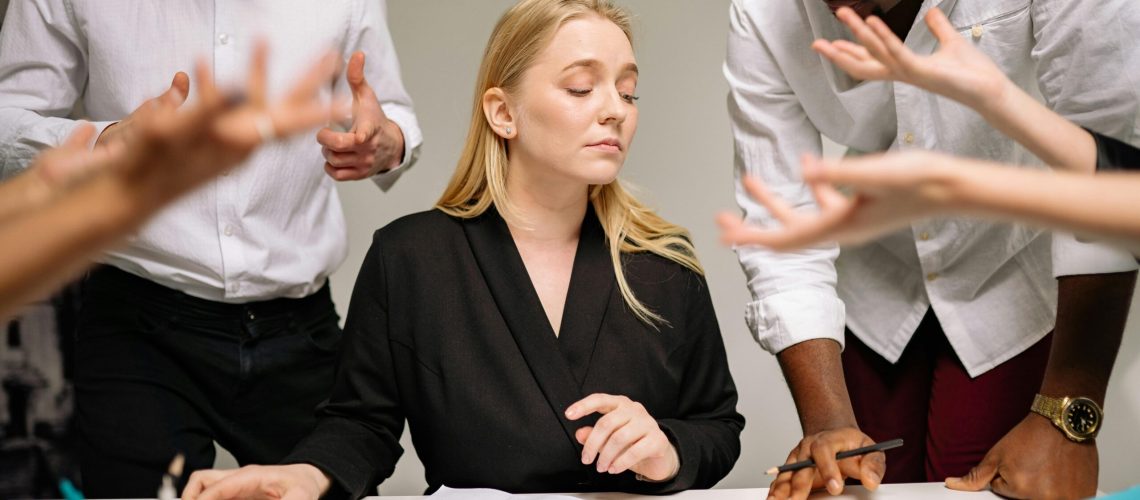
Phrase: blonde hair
[480,177]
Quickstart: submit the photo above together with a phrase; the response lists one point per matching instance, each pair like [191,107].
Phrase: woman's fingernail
[834,487]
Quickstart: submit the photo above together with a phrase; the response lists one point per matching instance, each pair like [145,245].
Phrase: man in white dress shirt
[947,325]
[215,322]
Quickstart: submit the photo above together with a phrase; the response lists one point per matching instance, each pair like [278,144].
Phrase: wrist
[998,104]
[393,130]
[317,477]
[674,461]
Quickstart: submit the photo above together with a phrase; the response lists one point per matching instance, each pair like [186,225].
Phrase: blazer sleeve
[357,437]
[1112,154]
[706,431]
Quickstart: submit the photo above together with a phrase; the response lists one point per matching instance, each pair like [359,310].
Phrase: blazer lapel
[591,283]
[510,285]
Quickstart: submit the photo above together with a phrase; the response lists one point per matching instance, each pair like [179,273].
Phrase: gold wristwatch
[1079,418]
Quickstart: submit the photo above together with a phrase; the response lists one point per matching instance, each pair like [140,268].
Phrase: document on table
[489,494]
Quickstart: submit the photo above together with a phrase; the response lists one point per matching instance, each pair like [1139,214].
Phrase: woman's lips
[609,148]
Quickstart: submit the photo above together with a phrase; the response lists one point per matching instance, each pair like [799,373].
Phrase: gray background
[682,160]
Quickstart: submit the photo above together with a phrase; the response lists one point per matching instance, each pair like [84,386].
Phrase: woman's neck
[552,209]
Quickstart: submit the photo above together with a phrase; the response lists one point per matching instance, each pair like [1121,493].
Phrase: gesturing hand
[625,438]
[169,100]
[374,144]
[957,70]
[829,472]
[891,190]
[174,150]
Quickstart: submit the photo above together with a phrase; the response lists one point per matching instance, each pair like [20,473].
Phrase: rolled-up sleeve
[382,69]
[1089,73]
[794,297]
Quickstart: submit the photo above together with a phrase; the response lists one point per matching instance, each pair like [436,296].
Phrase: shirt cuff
[785,319]
[1076,256]
[99,128]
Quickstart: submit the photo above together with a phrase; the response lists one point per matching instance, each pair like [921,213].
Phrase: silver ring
[265,128]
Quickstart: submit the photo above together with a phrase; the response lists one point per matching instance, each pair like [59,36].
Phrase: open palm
[889,194]
[957,70]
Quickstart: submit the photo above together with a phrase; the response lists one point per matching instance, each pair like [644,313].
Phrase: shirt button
[976,31]
[224,39]
[229,231]
[925,236]
[908,138]
[931,276]
[234,288]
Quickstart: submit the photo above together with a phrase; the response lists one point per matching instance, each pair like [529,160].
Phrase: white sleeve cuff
[785,319]
[1076,256]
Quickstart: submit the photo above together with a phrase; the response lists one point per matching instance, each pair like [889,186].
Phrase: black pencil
[883,446]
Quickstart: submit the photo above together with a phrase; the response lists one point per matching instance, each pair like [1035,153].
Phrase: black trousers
[158,372]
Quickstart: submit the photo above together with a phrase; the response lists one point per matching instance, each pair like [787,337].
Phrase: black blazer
[446,330]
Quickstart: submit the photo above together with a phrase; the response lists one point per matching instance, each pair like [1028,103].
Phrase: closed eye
[579,92]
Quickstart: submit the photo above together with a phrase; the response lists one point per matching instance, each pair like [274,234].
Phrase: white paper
[490,494]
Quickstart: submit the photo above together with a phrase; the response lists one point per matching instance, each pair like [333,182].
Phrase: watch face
[1082,417]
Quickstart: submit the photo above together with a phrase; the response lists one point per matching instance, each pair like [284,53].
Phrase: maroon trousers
[947,419]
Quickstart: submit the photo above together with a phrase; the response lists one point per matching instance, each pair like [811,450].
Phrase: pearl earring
[508,130]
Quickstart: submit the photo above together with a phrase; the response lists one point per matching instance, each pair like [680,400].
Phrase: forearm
[1104,204]
[1091,314]
[814,372]
[45,248]
[1055,140]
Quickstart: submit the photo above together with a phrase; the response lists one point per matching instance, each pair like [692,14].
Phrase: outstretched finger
[779,209]
[315,78]
[904,59]
[856,62]
[258,71]
[594,403]
[865,35]
[940,26]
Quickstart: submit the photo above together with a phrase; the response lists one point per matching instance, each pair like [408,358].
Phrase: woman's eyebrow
[595,64]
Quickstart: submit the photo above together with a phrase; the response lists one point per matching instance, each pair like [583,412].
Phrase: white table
[915,490]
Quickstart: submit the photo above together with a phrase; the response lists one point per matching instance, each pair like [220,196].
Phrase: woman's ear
[497,109]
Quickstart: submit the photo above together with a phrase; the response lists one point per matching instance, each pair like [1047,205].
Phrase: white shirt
[271,229]
[991,285]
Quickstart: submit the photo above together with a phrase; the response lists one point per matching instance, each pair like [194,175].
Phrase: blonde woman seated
[540,330]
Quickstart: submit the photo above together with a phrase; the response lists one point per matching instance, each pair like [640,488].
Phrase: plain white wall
[682,158]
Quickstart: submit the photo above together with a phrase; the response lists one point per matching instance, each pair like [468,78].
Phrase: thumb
[977,479]
[179,89]
[364,125]
[355,76]
[940,26]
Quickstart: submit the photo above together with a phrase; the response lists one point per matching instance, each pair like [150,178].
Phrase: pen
[883,446]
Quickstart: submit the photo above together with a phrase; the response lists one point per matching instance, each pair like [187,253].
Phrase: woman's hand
[957,70]
[284,482]
[625,438]
[890,192]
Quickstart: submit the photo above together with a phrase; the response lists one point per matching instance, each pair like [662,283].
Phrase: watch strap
[1047,407]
